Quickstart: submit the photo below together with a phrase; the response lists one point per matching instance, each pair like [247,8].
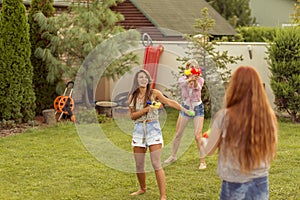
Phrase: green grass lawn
[54,163]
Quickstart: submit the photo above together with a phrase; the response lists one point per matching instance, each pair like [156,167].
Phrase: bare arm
[201,81]
[174,104]
[182,81]
[196,81]
[136,114]
[213,142]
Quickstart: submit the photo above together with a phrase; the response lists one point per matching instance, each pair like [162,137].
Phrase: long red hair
[251,123]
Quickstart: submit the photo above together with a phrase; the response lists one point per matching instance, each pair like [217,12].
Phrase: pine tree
[45,91]
[214,62]
[216,73]
[17,98]
[236,12]
[79,32]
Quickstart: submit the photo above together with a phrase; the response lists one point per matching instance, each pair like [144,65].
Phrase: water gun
[191,113]
[205,137]
[206,134]
[154,104]
[193,71]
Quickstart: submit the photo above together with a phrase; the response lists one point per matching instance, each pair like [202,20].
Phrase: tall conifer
[17,98]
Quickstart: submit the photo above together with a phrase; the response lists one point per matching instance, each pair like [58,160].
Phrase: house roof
[163,20]
[174,17]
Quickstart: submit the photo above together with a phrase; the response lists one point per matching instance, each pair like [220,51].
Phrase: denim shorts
[257,189]
[199,111]
[153,134]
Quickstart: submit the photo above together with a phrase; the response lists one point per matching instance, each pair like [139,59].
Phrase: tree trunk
[49,116]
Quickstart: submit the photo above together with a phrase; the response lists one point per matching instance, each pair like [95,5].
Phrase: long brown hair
[251,123]
[134,92]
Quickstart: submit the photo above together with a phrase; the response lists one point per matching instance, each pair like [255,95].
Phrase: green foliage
[7,124]
[261,33]
[17,98]
[45,91]
[256,34]
[284,61]
[78,33]
[296,15]
[102,118]
[236,12]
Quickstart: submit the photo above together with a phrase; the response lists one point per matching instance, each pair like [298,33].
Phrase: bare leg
[178,122]
[155,154]
[183,122]
[161,182]
[180,126]
[139,156]
[198,126]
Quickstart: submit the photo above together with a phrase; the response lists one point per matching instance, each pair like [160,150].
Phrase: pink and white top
[191,95]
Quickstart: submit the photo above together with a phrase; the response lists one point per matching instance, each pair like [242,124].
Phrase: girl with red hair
[245,133]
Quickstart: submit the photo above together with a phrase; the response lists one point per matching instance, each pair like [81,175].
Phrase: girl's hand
[148,109]
[203,141]
[190,113]
[191,84]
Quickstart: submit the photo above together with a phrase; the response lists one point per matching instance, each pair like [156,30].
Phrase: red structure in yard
[151,60]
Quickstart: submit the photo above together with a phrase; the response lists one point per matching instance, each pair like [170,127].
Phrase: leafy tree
[17,98]
[45,91]
[78,32]
[284,60]
[236,12]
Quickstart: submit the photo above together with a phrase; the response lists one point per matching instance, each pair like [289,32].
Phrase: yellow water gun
[154,104]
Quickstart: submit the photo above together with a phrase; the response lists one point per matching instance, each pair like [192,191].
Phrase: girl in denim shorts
[190,86]
[245,132]
[147,131]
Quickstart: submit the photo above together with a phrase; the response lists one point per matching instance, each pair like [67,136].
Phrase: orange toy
[206,134]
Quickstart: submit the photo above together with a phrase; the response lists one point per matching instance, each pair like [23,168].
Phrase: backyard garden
[52,162]
[65,160]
